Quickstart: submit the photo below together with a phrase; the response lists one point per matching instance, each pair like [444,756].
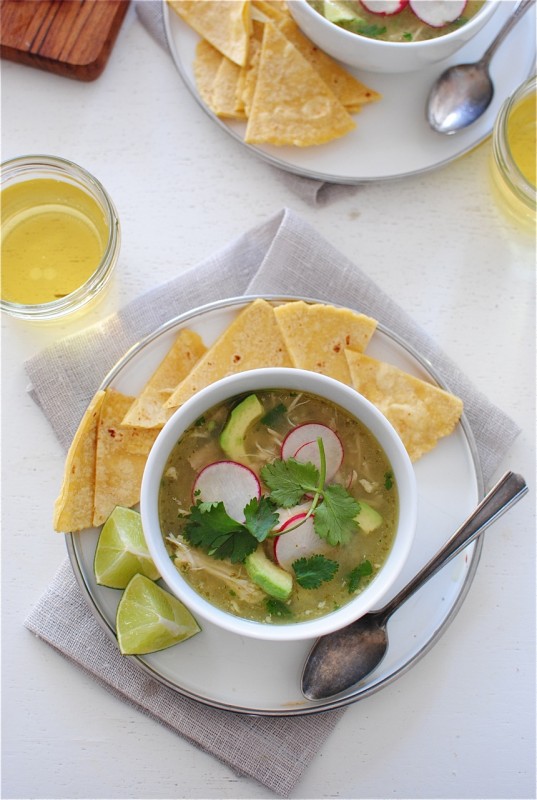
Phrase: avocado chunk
[338,12]
[274,580]
[241,418]
[368,518]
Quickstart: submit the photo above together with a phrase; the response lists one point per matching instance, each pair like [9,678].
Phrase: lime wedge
[149,618]
[121,550]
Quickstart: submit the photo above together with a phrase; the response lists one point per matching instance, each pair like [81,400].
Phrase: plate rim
[358,694]
[303,171]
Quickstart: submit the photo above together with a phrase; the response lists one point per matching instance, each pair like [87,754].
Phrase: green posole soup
[398,20]
[278,506]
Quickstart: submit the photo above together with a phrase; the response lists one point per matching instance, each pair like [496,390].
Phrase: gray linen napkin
[283,256]
[314,192]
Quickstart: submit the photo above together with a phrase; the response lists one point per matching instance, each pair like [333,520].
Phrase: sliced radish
[301,444]
[384,8]
[298,543]
[287,516]
[437,13]
[229,482]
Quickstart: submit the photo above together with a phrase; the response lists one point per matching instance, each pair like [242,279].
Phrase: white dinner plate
[231,672]
[392,138]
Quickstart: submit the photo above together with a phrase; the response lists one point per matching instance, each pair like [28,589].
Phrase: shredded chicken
[231,574]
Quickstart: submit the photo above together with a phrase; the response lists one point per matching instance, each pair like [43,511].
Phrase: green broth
[362,473]
[402,27]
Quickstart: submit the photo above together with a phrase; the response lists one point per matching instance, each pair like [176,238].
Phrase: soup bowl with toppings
[278,504]
[391,35]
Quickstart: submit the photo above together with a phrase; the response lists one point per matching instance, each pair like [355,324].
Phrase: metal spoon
[463,93]
[341,659]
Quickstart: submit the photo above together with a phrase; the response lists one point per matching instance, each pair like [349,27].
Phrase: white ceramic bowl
[375,55]
[322,386]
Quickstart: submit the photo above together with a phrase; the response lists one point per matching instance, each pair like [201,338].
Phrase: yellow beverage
[54,235]
[521,137]
[514,156]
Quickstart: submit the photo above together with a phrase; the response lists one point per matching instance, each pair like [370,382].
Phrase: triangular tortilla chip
[73,510]
[292,105]
[349,91]
[317,335]
[224,98]
[420,412]
[121,454]
[206,63]
[276,11]
[227,26]
[148,410]
[248,79]
[252,340]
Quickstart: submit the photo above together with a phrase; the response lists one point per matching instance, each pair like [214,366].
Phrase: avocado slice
[274,580]
[338,12]
[241,418]
[368,518]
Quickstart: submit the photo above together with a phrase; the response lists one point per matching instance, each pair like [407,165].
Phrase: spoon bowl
[343,658]
[462,93]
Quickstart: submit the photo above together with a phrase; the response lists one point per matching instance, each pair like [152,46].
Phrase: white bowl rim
[253,380]
[489,6]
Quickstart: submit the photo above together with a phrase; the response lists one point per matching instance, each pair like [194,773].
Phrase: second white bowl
[375,55]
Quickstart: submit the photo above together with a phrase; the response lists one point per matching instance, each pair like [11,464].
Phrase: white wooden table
[461,723]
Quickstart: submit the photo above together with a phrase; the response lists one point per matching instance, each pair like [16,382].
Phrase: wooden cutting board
[73,38]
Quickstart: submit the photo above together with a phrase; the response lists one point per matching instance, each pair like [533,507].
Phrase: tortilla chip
[225,91]
[73,510]
[206,63]
[121,454]
[252,340]
[291,104]
[420,412]
[317,335]
[148,410]
[227,26]
[275,10]
[248,80]
[349,91]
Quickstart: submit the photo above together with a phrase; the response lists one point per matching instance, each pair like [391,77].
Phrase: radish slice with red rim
[384,8]
[301,444]
[301,542]
[287,516]
[228,482]
[438,13]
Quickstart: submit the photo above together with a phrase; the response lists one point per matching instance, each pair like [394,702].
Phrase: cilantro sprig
[277,608]
[311,572]
[363,28]
[355,575]
[290,480]
[335,509]
[212,529]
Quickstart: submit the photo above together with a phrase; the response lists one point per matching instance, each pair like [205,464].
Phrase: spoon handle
[509,489]
[520,10]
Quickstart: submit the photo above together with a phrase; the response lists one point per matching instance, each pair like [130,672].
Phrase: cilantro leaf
[273,415]
[363,28]
[277,608]
[213,530]
[355,576]
[388,480]
[260,517]
[334,517]
[311,572]
[289,480]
